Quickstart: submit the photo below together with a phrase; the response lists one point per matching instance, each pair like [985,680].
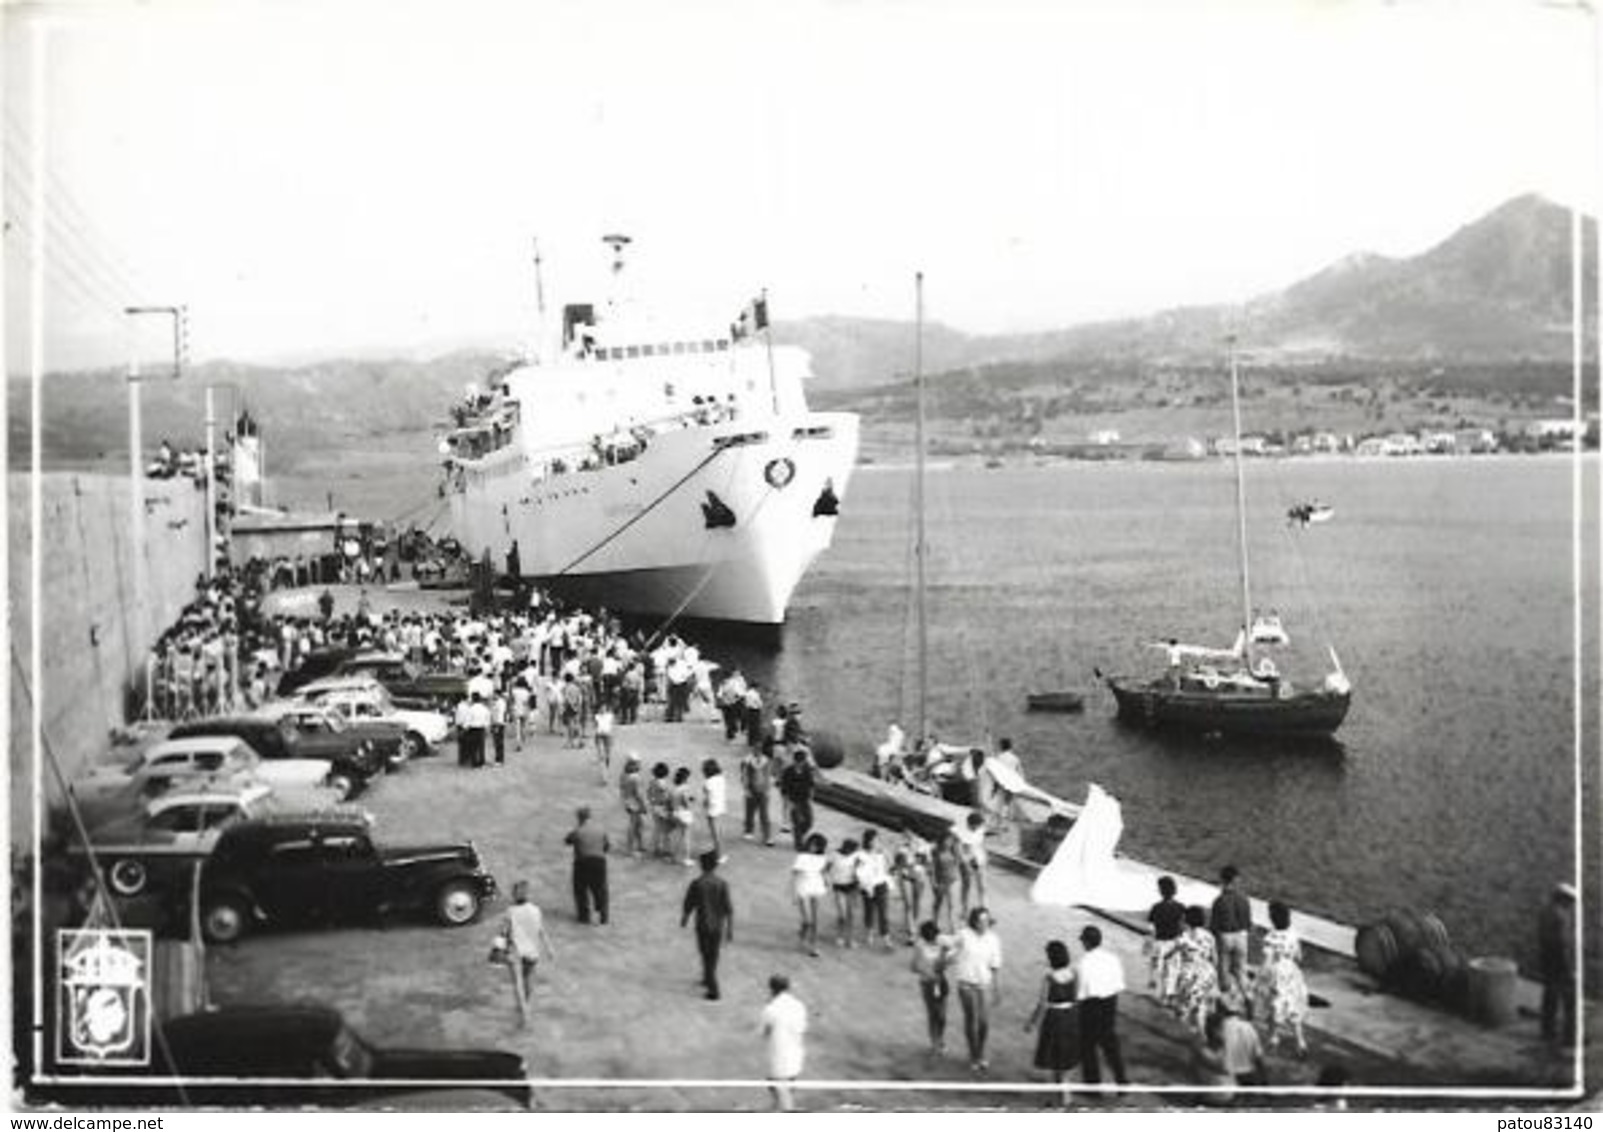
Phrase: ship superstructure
[651,469]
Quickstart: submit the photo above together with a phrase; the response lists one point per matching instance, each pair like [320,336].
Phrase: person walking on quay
[603,723]
[752,705]
[523,930]
[1231,924]
[590,847]
[932,955]
[1099,980]
[1195,964]
[659,803]
[632,793]
[910,865]
[732,704]
[1555,937]
[842,876]
[796,784]
[476,730]
[809,886]
[756,781]
[707,899]
[784,1027]
[1242,1049]
[1057,1048]
[714,804]
[1168,920]
[976,967]
[682,804]
[874,881]
[522,706]
[971,860]
[498,725]
[551,695]
[1280,994]
[943,879]
[572,704]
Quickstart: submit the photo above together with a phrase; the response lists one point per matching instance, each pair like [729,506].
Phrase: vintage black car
[309,870]
[354,759]
[317,664]
[408,685]
[245,1055]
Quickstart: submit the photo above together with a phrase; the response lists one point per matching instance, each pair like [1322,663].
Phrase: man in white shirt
[974,969]
[784,1023]
[1099,980]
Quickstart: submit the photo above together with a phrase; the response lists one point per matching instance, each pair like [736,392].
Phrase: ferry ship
[652,470]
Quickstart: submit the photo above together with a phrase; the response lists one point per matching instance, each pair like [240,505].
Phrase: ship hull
[1230,713]
[715,523]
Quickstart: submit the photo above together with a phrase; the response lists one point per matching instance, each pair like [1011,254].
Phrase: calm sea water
[1446,588]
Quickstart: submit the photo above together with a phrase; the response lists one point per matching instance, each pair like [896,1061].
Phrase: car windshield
[331,720]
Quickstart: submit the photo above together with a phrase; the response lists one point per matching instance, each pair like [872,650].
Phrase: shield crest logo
[105,997]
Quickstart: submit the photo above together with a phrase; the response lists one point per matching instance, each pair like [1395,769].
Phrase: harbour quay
[618,1020]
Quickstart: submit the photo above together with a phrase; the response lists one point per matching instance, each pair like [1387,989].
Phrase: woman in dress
[1168,920]
[1280,996]
[1196,982]
[842,875]
[1057,1049]
[659,804]
[683,801]
[808,884]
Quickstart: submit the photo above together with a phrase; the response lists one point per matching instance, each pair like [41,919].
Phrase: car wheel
[457,904]
[224,919]
[411,746]
[342,784]
[128,877]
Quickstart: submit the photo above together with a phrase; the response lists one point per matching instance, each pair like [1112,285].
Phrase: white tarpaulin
[1083,871]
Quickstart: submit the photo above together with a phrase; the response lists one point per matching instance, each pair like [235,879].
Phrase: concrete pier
[619,1022]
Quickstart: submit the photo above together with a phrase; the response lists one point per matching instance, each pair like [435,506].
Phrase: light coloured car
[365,700]
[156,770]
[163,841]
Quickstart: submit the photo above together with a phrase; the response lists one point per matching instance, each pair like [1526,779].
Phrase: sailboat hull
[1229,712]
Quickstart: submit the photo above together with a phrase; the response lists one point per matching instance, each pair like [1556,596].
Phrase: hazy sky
[309,177]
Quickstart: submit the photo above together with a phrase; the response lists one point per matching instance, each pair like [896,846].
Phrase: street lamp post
[136,469]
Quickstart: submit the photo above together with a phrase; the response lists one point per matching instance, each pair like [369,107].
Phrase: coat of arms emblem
[105,1000]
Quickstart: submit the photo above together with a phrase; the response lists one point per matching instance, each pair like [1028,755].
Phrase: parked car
[408,685]
[120,790]
[354,758]
[159,845]
[327,870]
[390,739]
[244,1055]
[363,700]
[316,664]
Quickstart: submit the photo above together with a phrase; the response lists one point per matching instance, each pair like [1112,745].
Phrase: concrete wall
[95,631]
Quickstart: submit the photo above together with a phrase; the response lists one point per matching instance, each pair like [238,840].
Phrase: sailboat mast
[919,547]
[1241,507]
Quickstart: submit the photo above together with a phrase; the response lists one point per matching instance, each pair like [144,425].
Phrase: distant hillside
[1486,310]
[1498,289]
[303,409]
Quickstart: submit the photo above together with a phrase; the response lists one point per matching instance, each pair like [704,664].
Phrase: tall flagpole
[919,546]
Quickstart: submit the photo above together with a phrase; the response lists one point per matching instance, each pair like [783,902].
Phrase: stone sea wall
[94,627]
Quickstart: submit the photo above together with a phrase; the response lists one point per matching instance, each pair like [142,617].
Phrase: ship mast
[919,546]
[1241,507]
